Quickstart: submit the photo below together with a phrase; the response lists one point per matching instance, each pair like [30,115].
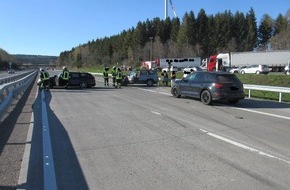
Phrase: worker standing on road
[106,76]
[173,77]
[114,74]
[119,78]
[65,75]
[44,79]
[165,78]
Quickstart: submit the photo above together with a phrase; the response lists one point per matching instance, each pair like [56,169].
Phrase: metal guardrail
[48,163]
[14,77]
[278,89]
[10,90]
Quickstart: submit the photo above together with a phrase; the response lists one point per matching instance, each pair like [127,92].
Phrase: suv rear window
[227,78]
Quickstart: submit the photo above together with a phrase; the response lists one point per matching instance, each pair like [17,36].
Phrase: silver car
[257,69]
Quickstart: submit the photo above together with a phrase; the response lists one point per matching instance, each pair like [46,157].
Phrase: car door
[184,84]
[143,76]
[74,79]
[196,84]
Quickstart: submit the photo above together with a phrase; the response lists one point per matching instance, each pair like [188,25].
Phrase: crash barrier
[277,89]
[14,77]
[48,164]
[10,90]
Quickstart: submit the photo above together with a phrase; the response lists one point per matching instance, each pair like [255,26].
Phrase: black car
[80,79]
[209,87]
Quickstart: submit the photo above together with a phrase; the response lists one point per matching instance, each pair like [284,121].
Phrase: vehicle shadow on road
[256,103]
[72,89]
[68,171]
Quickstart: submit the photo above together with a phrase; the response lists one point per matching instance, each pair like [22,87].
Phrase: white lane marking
[164,93]
[243,109]
[263,113]
[244,146]
[234,142]
[154,112]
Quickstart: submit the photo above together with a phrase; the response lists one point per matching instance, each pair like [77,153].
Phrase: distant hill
[5,57]
[35,59]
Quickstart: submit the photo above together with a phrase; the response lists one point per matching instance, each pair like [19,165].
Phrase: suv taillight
[218,85]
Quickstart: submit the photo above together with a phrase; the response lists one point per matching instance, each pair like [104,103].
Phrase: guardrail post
[249,93]
[280,96]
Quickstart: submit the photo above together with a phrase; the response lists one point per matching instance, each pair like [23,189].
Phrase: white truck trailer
[275,60]
[179,63]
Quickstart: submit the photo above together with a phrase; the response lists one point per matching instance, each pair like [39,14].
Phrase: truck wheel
[205,97]
[150,83]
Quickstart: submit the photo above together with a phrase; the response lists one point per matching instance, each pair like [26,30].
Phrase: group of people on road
[165,78]
[116,74]
[44,77]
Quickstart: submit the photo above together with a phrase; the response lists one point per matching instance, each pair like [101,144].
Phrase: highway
[142,138]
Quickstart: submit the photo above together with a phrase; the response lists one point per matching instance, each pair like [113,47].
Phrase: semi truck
[275,60]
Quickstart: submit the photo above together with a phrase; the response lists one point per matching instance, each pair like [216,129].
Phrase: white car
[238,69]
[11,71]
[190,69]
[257,69]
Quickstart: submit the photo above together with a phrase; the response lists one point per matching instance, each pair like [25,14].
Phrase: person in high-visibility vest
[106,76]
[173,78]
[114,74]
[44,79]
[65,75]
[119,78]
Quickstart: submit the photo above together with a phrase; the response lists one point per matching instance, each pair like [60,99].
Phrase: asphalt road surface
[143,138]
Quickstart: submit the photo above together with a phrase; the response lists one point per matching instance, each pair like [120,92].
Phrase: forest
[198,35]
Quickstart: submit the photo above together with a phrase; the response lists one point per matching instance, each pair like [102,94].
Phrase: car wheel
[175,93]
[50,84]
[83,84]
[243,72]
[150,82]
[205,97]
[257,72]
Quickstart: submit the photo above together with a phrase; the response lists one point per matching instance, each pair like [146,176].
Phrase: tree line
[192,36]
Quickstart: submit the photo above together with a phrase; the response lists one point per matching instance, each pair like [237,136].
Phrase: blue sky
[48,27]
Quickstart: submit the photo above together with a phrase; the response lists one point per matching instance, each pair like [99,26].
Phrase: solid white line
[234,142]
[244,146]
[263,113]
[157,113]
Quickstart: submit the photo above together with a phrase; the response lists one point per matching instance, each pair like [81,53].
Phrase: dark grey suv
[209,87]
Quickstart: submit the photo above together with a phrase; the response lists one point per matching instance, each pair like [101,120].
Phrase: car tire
[205,97]
[150,83]
[50,84]
[243,72]
[175,93]
[257,72]
[83,84]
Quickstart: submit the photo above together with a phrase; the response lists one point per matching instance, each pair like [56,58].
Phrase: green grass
[267,80]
